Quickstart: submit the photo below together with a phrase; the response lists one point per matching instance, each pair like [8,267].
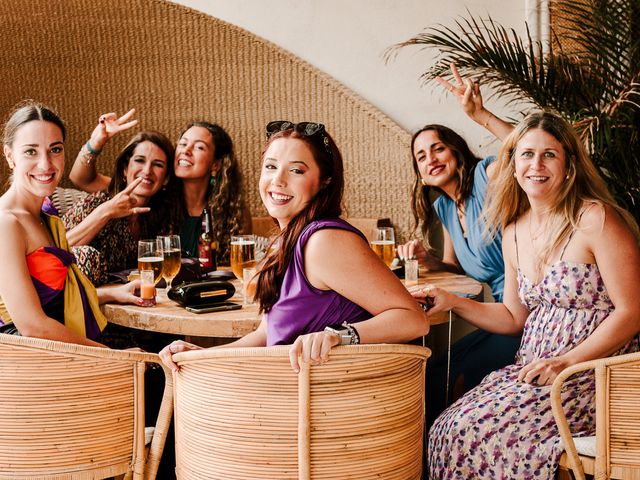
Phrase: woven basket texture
[74,412]
[617,413]
[244,413]
[175,65]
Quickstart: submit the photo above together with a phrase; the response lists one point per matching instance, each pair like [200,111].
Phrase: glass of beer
[383,243]
[171,257]
[150,257]
[243,253]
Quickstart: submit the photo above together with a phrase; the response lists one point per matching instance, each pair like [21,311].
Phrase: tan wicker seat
[617,441]
[243,413]
[75,412]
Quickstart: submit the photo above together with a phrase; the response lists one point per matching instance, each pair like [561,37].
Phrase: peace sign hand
[124,203]
[110,125]
[466,91]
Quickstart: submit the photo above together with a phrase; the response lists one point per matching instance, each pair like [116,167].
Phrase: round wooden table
[168,317]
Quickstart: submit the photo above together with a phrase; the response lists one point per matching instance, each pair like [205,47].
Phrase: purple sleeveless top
[303,308]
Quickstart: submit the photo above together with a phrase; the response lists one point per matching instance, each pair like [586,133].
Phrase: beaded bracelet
[90,149]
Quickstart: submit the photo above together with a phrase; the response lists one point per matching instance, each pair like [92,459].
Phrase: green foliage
[595,83]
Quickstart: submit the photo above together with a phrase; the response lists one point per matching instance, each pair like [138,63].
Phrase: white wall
[347,39]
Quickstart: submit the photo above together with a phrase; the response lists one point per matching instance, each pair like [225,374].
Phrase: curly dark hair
[225,198]
[167,204]
[326,204]
[423,215]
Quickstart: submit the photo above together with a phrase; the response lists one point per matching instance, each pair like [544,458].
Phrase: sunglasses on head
[306,129]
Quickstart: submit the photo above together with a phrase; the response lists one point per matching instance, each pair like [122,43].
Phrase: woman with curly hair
[205,162]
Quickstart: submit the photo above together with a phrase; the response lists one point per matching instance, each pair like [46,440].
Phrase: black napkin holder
[204,293]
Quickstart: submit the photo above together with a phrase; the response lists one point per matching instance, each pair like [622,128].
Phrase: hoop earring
[423,182]
[514,175]
[213,181]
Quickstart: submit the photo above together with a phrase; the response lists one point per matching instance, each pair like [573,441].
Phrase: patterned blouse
[113,249]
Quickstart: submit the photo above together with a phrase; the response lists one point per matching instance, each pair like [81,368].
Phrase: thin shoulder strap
[573,231]
[515,238]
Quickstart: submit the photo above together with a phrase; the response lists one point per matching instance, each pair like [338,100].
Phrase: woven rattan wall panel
[174,64]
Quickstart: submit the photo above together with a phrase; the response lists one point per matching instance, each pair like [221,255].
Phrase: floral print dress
[504,429]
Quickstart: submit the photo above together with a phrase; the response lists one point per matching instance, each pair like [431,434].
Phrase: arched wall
[175,64]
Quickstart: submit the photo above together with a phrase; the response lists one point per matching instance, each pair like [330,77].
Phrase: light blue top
[480,258]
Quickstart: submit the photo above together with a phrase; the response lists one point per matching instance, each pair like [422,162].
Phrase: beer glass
[243,253]
[170,245]
[383,243]
[150,257]
[250,282]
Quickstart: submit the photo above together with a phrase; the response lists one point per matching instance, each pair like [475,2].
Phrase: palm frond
[594,81]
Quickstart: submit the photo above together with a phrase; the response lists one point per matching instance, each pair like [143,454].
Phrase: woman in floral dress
[571,265]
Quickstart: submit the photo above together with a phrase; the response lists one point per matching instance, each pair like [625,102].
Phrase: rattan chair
[75,412]
[614,452]
[243,413]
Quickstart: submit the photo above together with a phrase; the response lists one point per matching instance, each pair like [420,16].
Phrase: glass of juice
[150,257]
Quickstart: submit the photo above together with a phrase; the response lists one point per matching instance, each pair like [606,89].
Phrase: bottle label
[204,256]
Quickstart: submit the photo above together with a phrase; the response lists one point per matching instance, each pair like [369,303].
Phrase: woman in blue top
[444,162]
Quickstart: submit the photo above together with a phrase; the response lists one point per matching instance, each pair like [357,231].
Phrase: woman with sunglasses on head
[42,292]
[141,200]
[309,302]
[444,163]
[209,175]
[571,265]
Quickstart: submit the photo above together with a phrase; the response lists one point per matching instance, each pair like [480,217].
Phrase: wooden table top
[168,317]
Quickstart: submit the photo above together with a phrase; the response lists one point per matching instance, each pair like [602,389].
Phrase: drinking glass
[383,243]
[147,288]
[170,245]
[243,253]
[150,257]
[410,272]
[249,281]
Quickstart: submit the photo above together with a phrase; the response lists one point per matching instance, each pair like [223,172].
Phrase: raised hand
[125,203]
[110,125]
[466,92]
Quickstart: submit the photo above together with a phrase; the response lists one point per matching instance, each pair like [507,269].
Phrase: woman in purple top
[323,286]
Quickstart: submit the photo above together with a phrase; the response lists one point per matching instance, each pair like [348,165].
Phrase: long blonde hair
[506,201]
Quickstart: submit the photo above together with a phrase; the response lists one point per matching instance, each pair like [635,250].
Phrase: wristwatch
[346,332]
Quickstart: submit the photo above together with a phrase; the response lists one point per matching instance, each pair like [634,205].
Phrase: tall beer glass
[171,257]
[150,257]
[243,253]
[383,243]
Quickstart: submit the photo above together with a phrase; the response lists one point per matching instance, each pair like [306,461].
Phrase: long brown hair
[327,203]
[167,204]
[225,195]
[423,215]
[506,201]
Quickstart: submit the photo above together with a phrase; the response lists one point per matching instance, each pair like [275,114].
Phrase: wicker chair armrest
[556,403]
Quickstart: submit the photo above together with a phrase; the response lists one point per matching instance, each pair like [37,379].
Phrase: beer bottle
[207,246]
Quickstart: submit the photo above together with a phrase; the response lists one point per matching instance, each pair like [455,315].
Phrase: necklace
[539,230]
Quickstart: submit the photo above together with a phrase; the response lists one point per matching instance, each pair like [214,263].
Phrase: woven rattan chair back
[75,412]
[617,419]
[244,413]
